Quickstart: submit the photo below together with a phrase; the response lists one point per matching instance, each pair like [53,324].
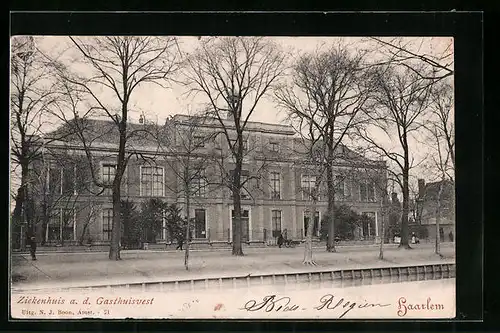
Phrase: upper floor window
[274,146]
[61,180]
[245,144]
[198,185]
[367,191]
[341,187]
[275,185]
[308,185]
[152,181]
[199,141]
[108,175]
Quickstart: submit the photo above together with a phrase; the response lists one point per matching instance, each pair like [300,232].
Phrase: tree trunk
[438,218]
[114,249]
[308,253]
[330,242]
[406,196]
[382,234]
[236,191]
[236,223]
[188,225]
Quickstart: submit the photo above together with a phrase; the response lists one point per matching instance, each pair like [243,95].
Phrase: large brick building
[274,199]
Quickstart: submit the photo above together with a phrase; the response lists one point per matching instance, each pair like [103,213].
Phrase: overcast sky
[160,103]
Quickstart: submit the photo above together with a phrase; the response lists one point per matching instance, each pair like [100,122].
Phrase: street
[55,269]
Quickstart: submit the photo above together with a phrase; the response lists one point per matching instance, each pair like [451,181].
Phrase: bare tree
[400,100]
[442,143]
[189,154]
[412,55]
[233,74]
[114,68]
[31,94]
[328,91]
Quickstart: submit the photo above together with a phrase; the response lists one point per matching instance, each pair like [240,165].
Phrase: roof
[432,190]
[98,131]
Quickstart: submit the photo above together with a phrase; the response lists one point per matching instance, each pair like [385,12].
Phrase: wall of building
[217,200]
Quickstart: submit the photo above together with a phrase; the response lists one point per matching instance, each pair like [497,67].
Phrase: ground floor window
[61,225]
[107,223]
[307,218]
[276,222]
[245,228]
[200,223]
[368,225]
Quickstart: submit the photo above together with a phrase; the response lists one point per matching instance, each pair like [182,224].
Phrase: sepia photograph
[232,177]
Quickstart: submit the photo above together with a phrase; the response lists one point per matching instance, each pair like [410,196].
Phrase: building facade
[275,197]
[427,208]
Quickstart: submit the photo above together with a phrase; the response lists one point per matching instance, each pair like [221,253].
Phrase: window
[245,144]
[199,141]
[55,180]
[61,225]
[276,222]
[68,221]
[275,185]
[245,174]
[274,146]
[54,226]
[108,175]
[307,217]
[198,185]
[200,223]
[367,191]
[308,184]
[68,179]
[107,223]
[368,224]
[340,188]
[151,181]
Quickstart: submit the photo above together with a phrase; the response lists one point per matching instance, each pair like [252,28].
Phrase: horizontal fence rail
[344,277]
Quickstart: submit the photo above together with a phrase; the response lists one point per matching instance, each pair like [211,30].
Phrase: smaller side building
[437,200]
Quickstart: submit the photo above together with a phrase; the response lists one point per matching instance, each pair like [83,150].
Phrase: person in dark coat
[280,240]
[180,242]
[31,240]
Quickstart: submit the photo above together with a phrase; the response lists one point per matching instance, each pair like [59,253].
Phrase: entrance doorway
[245,230]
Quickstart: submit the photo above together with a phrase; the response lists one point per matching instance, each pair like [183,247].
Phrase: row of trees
[333,96]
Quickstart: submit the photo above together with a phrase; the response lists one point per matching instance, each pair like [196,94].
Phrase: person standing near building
[280,240]
[31,240]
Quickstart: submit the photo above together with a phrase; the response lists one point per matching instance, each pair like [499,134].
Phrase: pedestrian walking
[280,240]
[180,242]
[31,240]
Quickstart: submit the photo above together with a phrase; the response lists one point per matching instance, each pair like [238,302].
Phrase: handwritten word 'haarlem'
[403,307]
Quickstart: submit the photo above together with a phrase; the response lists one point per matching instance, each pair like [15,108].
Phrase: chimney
[421,188]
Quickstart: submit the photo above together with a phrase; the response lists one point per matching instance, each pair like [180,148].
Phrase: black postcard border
[466,28]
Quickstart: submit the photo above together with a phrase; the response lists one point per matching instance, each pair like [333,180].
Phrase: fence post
[228,236]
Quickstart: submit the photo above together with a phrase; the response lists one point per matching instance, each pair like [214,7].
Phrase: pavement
[82,269]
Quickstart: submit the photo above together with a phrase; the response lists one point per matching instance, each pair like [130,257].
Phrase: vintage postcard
[157,177]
